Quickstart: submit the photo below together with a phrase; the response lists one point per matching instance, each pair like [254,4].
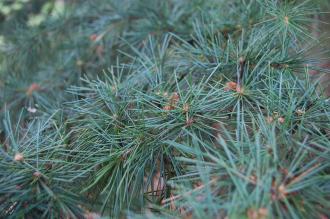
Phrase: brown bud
[241,60]
[100,50]
[323,216]
[92,215]
[300,112]
[282,192]
[260,213]
[32,109]
[33,87]
[19,157]
[126,154]
[263,212]
[281,120]
[253,179]
[284,171]
[93,37]
[168,107]
[79,63]
[174,98]
[230,86]
[186,107]
[269,150]
[239,89]
[190,121]
[269,119]
[37,174]
[48,166]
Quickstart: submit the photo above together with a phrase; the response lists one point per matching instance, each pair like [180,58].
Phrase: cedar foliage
[163,109]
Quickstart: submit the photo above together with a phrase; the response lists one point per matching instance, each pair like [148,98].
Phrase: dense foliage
[163,109]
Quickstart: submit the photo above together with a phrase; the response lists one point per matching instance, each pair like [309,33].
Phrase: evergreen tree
[164,109]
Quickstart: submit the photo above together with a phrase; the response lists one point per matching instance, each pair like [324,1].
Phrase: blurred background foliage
[48,45]
[26,12]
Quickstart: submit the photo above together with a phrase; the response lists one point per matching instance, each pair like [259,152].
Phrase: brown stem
[241,70]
